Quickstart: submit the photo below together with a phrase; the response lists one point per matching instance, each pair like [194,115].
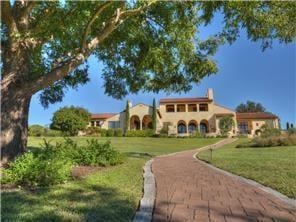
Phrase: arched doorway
[182,128]
[204,126]
[192,126]
[147,122]
[135,123]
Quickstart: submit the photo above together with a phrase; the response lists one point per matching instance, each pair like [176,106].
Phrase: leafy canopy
[150,45]
[70,120]
[250,106]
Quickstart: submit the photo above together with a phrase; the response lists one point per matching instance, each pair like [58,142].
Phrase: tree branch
[7,16]
[91,21]
[27,10]
[64,68]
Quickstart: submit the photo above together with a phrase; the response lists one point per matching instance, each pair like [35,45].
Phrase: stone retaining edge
[145,211]
[266,189]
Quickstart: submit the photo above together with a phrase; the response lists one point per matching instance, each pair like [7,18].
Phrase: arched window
[147,122]
[135,122]
[182,127]
[192,126]
[204,126]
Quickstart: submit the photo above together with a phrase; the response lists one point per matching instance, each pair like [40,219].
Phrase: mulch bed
[82,171]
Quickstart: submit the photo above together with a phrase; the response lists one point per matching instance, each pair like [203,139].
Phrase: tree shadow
[81,202]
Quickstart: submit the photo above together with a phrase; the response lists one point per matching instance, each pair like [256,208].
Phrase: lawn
[112,194]
[274,167]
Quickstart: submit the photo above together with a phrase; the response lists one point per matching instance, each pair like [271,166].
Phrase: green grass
[274,167]
[109,195]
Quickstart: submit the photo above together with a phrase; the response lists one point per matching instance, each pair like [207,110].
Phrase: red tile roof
[102,115]
[255,116]
[224,114]
[185,100]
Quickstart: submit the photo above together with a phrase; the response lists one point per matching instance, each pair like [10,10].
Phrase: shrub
[140,133]
[269,142]
[292,131]
[196,134]
[118,132]
[36,130]
[225,125]
[110,132]
[103,132]
[93,131]
[91,154]
[53,133]
[269,132]
[43,169]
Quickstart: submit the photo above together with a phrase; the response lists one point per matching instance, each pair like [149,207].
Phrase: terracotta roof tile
[253,115]
[185,100]
[102,115]
[224,114]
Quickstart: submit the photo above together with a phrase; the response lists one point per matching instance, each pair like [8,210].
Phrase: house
[183,116]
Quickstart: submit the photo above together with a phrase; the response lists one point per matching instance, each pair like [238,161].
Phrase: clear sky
[245,73]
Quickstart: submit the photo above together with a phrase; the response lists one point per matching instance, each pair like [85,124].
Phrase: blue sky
[245,73]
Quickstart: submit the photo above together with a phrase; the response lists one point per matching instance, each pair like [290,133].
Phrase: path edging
[266,189]
[145,211]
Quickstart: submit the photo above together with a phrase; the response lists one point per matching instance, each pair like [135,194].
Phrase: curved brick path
[188,190]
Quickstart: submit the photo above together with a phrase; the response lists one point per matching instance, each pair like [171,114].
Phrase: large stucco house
[183,116]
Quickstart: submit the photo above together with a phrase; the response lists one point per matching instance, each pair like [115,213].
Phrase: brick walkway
[188,190]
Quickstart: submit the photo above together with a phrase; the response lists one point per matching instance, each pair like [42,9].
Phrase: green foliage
[226,123]
[148,45]
[118,132]
[250,106]
[140,133]
[37,130]
[42,169]
[110,132]
[269,142]
[154,116]
[70,120]
[268,131]
[93,131]
[92,153]
[292,131]
[127,117]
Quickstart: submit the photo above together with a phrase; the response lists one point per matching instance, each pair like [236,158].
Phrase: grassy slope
[274,167]
[110,195]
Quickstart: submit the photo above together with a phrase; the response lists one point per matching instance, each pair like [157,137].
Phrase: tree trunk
[15,104]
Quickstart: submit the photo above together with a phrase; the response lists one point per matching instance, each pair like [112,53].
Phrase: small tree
[225,124]
[70,120]
[154,116]
[291,125]
[127,118]
[288,126]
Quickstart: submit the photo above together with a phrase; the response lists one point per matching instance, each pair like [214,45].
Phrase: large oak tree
[144,45]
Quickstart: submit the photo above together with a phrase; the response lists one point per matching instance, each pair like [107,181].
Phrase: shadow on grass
[78,202]
[138,155]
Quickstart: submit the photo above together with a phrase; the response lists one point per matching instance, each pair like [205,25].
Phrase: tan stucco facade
[183,116]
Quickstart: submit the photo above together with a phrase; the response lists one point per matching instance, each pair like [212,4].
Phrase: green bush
[44,169]
[292,131]
[91,154]
[93,131]
[53,133]
[269,132]
[103,132]
[140,133]
[196,134]
[110,133]
[118,132]
[36,130]
[269,142]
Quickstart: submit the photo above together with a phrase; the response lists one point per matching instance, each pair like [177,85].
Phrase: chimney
[210,94]
[130,104]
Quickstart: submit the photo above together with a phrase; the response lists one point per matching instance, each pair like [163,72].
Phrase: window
[170,108]
[182,128]
[98,123]
[92,123]
[203,107]
[181,108]
[257,124]
[113,124]
[192,108]
[243,127]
